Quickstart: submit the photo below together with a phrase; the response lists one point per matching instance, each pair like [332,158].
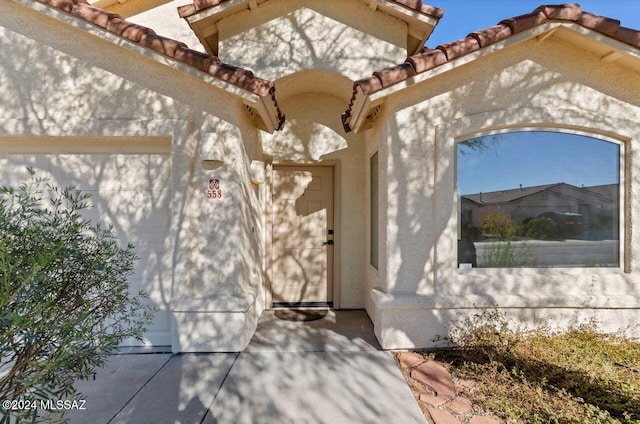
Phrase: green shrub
[497,225]
[64,297]
[541,228]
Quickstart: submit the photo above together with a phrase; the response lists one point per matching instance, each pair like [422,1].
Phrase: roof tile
[281,116]
[133,32]
[241,78]
[459,48]
[601,24]
[231,74]
[430,59]
[65,5]
[92,14]
[369,85]
[491,35]
[629,36]
[525,22]
[199,60]
[148,38]
[205,4]
[259,86]
[164,45]
[393,74]
[416,5]
[187,10]
[568,12]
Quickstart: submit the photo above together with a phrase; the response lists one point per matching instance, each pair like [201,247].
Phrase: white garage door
[130,184]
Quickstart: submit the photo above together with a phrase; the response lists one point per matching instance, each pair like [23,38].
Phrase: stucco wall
[292,35]
[78,84]
[549,85]
[226,241]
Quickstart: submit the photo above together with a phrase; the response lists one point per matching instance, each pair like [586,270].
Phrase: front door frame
[268,263]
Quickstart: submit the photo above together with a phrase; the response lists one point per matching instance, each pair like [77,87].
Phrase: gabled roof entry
[203,15]
[362,112]
[264,109]
[260,99]
[412,5]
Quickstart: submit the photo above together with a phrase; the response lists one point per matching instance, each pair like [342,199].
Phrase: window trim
[624,248]
[374,224]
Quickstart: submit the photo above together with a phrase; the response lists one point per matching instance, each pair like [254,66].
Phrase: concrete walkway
[326,371]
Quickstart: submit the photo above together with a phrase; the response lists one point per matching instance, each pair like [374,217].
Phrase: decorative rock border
[442,399]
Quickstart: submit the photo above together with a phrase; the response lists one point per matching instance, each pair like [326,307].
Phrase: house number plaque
[214,191]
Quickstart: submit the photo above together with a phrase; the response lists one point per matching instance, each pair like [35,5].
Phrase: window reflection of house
[549,225]
[595,207]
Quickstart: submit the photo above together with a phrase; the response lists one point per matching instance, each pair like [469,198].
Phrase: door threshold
[302,305]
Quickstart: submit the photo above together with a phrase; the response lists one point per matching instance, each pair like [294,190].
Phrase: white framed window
[374,196]
[539,198]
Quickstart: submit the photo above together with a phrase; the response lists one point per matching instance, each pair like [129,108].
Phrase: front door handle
[328,243]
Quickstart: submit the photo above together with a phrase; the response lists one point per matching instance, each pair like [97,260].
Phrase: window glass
[374,210]
[538,199]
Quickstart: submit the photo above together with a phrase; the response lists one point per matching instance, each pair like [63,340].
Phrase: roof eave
[259,96]
[420,25]
[354,117]
[203,21]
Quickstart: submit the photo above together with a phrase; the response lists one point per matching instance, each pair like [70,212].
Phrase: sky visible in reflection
[505,161]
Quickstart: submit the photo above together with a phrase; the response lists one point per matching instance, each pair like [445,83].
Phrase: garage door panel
[139,215]
[153,264]
[130,189]
[157,300]
[13,168]
[159,330]
[91,172]
[131,172]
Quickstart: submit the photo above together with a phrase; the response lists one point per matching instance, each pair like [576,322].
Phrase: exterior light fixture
[257,172]
[211,149]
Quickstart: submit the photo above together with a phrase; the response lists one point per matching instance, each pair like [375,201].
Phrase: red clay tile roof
[431,58]
[179,51]
[425,60]
[414,5]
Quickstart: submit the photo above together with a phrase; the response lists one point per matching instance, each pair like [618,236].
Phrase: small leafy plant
[64,296]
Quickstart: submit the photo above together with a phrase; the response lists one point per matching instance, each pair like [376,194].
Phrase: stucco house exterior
[523,203]
[263,153]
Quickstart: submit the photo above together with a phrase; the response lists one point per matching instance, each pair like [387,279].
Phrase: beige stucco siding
[90,100]
[548,85]
[289,36]
[49,93]
[225,231]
